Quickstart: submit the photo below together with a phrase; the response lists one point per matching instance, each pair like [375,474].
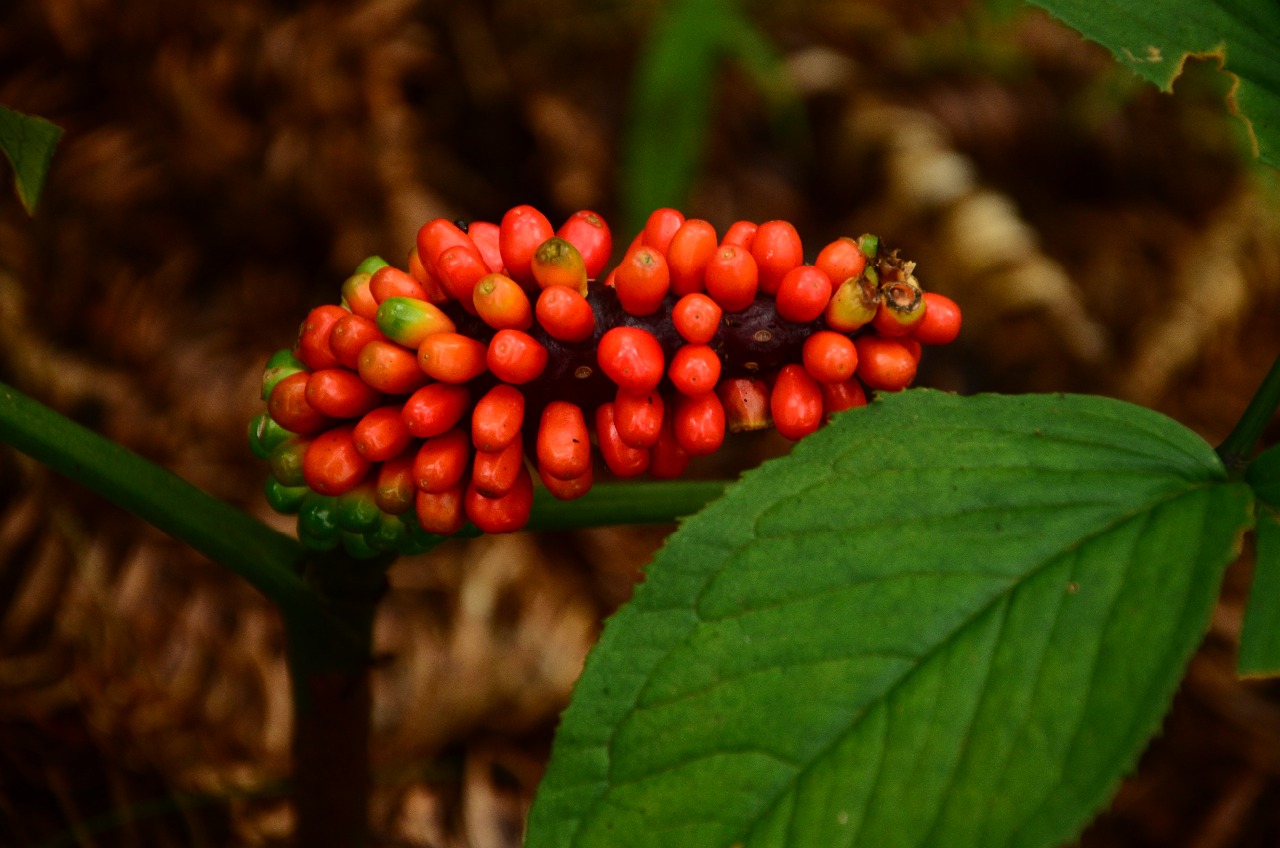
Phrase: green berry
[357,511]
[371,264]
[265,435]
[283,499]
[285,461]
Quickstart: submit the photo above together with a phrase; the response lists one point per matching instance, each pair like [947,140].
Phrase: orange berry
[830,357]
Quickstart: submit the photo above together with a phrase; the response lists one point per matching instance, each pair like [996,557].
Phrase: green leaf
[671,104]
[1260,637]
[1155,38]
[28,142]
[940,621]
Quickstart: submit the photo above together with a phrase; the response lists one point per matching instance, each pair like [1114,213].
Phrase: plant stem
[624,503]
[1237,447]
[332,701]
[268,560]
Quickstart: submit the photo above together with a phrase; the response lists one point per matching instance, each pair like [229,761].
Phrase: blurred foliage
[28,142]
[673,99]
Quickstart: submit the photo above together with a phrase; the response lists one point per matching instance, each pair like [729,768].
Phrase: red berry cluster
[412,407]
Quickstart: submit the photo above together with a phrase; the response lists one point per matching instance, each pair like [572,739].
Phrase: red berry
[688,254]
[632,358]
[434,408]
[557,262]
[287,405]
[837,397]
[660,228]
[696,318]
[431,287]
[437,236]
[389,281]
[841,260]
[459,269]
[565,314]
[776,249]
[497,418]
[349,336]
[884,364]
[566,490]
[441,512]
[442,461]
[642,281]
[485,234]
[830,357]
[699,424]
[941,322]
[563,444]
[740,233]
[502,303]
[504,514]
[340,393]
[494,473]
[621,458]
[588,232]
[381,434]
[796,402]
[522,231]
[390,368]
[667,459]
[515,357]
[313,337]
[638,417]
[332,465]
[694,369]
[732,278]
[803,294]
[393,490]
[746,404]
[452,357]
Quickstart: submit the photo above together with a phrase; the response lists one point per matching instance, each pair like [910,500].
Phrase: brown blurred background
[226,165]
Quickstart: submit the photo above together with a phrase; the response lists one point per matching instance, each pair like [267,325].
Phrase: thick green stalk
[1237,448]
[268,560]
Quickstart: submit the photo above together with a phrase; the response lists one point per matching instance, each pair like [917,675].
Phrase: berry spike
[433,393]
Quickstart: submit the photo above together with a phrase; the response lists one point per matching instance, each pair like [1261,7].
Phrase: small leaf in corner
[28,142]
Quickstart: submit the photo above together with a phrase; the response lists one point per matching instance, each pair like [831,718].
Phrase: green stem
[1236,449]
[268,560]
[624,503]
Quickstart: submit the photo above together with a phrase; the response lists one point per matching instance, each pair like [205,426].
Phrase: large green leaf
[1155,38]
[940,621]
[28,142]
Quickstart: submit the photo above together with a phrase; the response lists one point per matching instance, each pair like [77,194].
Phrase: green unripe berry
[371,264]
[283,499]
[265,435]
